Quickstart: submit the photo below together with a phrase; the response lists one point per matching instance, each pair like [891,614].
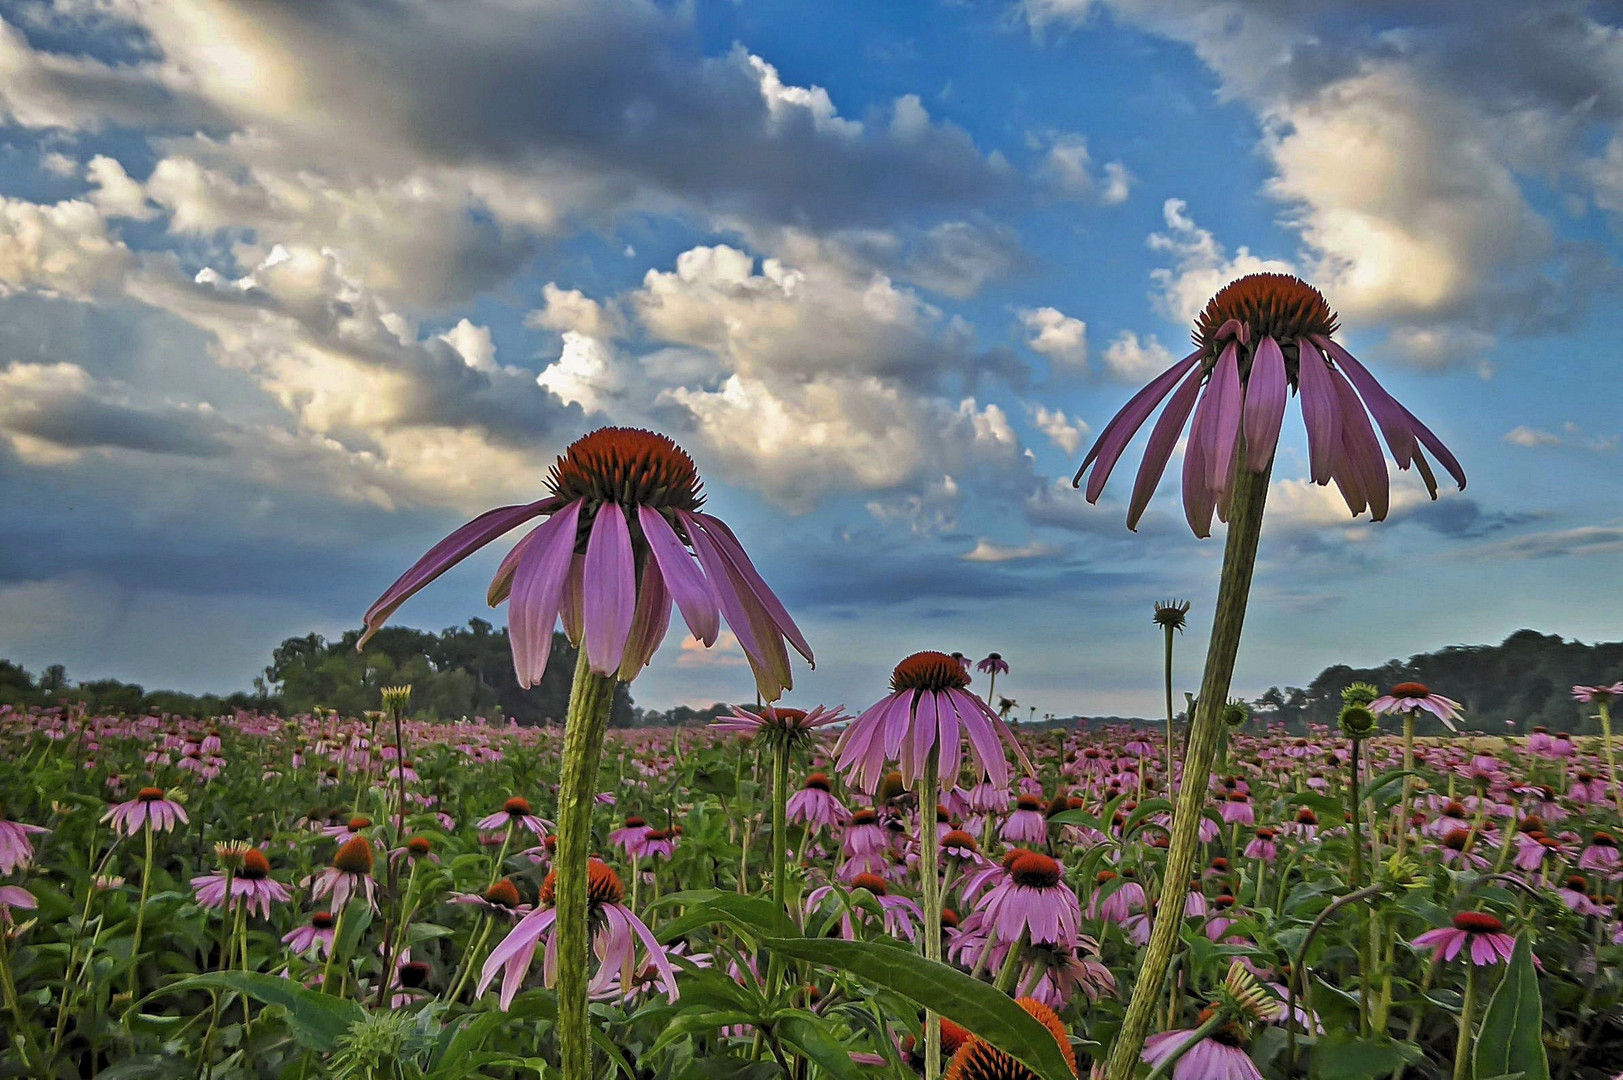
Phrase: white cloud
[1052,333]
[62,249]
[1530,437]
[115,194]
[585,373]
[1063,432]
[1203,265]
[571,309]
[988,551]
[1067,167]
[1572,436]
[1132,360]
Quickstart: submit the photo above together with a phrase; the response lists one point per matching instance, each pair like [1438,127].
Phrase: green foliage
[1512,1036]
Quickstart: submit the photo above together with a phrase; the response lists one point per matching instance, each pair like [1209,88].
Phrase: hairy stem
[1250,493]
[929,855]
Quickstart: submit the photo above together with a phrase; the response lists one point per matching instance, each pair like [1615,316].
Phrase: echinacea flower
[1482,932]
[632,838]
[994,664]
[350,875]
[1220,1055]
[615,935]
[314,937]
[815,804]
[930,709]
[628,501]
[1026,825]
[1033,899]
[250,886]
[1591,695]
[777,723]
[515,811]
[1259,337]
[500,900]
[15,896]
[1415,697]
[150,806]
[15,847]
[977,1059]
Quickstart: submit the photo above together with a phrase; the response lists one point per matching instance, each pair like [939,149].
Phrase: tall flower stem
[1250,494]
[1356,875]
[1168,666]
[1408,782]
[1611,760]
[332,953]
[140,913]
[590,699]
[1462,1048]
[929,857]
[780,844]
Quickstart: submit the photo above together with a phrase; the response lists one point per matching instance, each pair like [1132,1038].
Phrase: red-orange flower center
[419,845]
[255,867]
[355,856]
[628,466]
[978,1060]
[1478,922]
[602,885]
[503,894]
[929,671]
[1035,871]
[872,882]
[818,781]
[634,822]
[1279,306]
[1029,802]
[322,920]
[517,807]
[150,794]
[356,824]
[1410,689]
[957,840]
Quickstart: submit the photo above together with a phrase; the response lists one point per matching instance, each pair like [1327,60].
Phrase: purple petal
[740,560]
[573,606]
[1392,417]
[446,554]
[1163,438]
[648,624]
[757,632]
[610,587]
[1435,445]
[1125,424]
[1224,432]
[1264,404]
[925,728]
[1198,498]
[682,576]
[538,584]
[1361,451]
[1320,412]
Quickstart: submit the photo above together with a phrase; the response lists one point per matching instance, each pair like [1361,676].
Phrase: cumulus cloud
[1062,431]
[988,551]
[1052,333]
[62,249]
[1133,360]
[1571,435]
[1067,167]
[50,413]
[1202,264]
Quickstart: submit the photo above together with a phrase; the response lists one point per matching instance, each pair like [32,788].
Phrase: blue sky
[287,291]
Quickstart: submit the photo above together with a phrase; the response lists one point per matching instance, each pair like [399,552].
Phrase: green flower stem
[332,953]
[780,824]
[1250,494]
[1357,870]
[929,857]
[1462,1047]
[1408,783]
[140,912]
[589,701]
[1011,963]
[1611,761]
[1168,667]
[25,1032]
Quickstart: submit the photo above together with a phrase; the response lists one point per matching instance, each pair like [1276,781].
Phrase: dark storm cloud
[80,421]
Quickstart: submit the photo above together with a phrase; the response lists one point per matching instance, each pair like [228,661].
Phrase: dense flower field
[242,898]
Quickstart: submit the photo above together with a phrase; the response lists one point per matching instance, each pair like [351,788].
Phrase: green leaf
[316,1020]
[1146,809]
[1343,1057]
[977,1006]
[749,915]
[1512,1035]
[807,1036]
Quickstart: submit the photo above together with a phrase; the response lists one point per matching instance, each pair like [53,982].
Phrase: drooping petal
[1163,438]
[925,726]
[682,576]
[1264,404]
[538,584]
[610,589]
[1198,498]
[1107,449]
[1321,414]
[1361,450]
[572,608]
[1224,433]
[1391,416]
[649,623]
[740,560]
[446,554]
[755,629]
[949,742]
[1435,445]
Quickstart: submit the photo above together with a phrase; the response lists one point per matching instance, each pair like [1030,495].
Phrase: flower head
[150,807]
[1598,695]
[1171,614]
[994,664]
[977,1059]
[776,723]
[1415,697]
[1489,944]
[1259,337]
[624,539]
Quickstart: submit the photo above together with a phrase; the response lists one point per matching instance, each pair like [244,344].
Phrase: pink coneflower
[994,664]
[1484,933]
[148,807]
[900,915]
[15,847]
[1220,1055]
[1306,825]
[313,938]
[1119,904]
[251,886]
[1601,854]
[660,843]
[1259,336]
[1586,787]
[1033,899]
[344,833]
[1603,694]
[958,844]
[930,707]
[515,811]
[976,1059]
[1574,893]
[864,835]
[629,499]
[795,727]
[350,875]
[815,805]
[1237,809]
[1262,846]
[500,900]
[1414,697]
[1457,849]
[1026,825]
[632,838]
[615,935]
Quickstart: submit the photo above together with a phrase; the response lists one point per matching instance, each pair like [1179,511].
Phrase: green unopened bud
[396,698]
[1359,693]
[1356,722]
[1236,712]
